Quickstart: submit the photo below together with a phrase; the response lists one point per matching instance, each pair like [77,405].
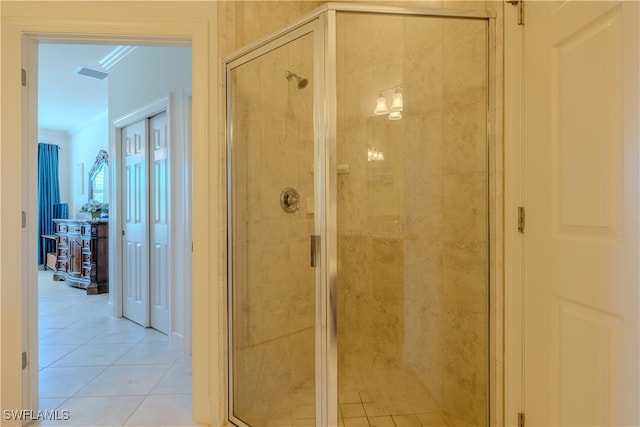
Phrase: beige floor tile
[406,421]
[97,411]
[65,382]
[400,407]
[303,422]
[48,354]
[376,409]
[93,355]
[350,410]
[163,410]
[356,422]
[149,353]
[177,380]
[349,397]
[125,380]
[431,420]
[385,421]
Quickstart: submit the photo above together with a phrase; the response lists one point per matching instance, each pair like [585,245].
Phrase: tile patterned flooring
[106,371]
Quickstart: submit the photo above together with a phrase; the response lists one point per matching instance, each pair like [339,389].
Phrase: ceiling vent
[90,72]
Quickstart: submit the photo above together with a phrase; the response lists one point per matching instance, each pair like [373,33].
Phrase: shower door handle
[315,244]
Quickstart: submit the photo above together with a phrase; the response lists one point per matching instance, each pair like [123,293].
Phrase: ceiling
[67,101]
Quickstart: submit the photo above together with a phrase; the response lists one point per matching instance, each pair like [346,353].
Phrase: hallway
[106,371]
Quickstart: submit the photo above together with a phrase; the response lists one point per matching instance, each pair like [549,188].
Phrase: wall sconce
[381,105]
[397,103]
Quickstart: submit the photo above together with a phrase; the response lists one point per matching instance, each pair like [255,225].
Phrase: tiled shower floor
[106,371]
[393,398]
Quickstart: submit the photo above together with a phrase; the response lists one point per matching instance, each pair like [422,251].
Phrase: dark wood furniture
[82,255]
[50,259]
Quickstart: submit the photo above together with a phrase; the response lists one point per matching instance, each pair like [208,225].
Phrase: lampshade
[397,103]
[381,105]
[395,115]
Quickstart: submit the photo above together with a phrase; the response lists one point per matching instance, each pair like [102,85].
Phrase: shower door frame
[322,23]
[314,25]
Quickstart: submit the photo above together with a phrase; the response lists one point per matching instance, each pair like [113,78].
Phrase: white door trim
[513,198]
[148,110]
[208,394]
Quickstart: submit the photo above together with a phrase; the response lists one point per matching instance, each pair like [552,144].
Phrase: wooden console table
[82,258]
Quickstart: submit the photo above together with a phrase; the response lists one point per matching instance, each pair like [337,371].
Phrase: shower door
[412,220]
[369,127]
[271,208]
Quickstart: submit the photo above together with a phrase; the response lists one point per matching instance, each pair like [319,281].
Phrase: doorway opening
[91,349]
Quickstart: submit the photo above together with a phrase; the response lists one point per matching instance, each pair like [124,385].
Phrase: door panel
[273,286]
[581,193]
[135,247]
[159,262]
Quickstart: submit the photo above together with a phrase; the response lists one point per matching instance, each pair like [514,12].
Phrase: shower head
[301,82]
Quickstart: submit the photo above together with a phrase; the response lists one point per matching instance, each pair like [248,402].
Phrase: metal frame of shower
[322,24]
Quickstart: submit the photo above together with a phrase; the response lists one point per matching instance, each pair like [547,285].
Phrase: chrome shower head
[301,81]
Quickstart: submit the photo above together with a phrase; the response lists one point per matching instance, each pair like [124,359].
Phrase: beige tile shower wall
[465,390]
[413,228]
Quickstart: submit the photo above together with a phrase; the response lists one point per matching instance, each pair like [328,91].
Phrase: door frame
[19,290]
[513,198]
[514,255]
[325,354]
[325,134]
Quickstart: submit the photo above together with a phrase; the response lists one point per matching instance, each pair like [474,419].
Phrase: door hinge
[24,360]
[520,219]
[520,419]
[24,219]
[24,77]
[520,5]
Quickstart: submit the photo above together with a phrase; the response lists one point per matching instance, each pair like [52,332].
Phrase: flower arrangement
[94,207]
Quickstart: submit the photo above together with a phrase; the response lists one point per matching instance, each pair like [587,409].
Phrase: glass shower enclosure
[358,146]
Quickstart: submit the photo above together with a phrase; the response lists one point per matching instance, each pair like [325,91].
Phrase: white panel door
[159,260]
[581,191]
[135,288]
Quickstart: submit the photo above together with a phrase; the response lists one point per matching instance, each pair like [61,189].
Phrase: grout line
[80,301]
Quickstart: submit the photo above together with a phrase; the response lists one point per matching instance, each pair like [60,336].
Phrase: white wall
[62,140]
[148,73]
[85,144]
[144,76]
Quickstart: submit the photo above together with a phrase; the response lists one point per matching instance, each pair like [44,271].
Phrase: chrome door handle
[315,243]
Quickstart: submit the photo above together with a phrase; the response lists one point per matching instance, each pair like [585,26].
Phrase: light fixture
[381,105]
[374,155]
[395,115]
[397,103]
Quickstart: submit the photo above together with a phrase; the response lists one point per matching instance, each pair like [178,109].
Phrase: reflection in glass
[99,178]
